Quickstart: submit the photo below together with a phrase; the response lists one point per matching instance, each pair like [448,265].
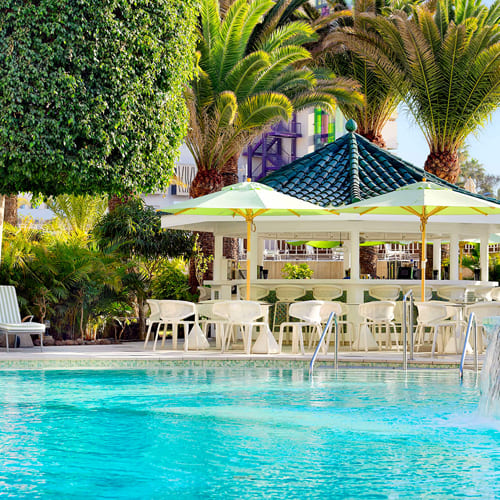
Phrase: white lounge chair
[10,317]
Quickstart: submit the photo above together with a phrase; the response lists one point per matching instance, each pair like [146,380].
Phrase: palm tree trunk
[207,244]
[368,260]
[115,201]
[10,213]
[205,182]
[373,136]
[230,176]
[230,171]
[444,164]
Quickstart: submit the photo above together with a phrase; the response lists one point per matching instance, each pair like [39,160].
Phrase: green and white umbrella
[248,200]
[423,199]
[337,244]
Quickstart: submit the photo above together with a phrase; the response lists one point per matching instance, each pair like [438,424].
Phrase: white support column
[354,244]
[254,254]
[347,257]
[261,251]
[454,257]
[219,272]
[436,257]
[483,256]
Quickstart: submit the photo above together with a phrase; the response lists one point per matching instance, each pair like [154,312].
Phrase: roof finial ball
[351,125]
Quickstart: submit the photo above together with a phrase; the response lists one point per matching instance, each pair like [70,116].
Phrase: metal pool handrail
[327,326]
[472,321]
[408,294]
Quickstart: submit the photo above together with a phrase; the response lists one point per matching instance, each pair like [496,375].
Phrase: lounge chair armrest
[27,318]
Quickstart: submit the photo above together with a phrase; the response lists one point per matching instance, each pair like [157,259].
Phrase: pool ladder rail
[328,325]
[472,322]
[408,295]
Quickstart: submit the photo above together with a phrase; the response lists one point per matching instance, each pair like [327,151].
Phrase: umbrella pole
[249,231]
[423,261]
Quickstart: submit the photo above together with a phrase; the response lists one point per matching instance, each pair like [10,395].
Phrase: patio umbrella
[336,244]
[248,200]
[423,199]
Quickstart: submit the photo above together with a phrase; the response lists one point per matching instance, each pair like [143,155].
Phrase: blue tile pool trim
[55,364]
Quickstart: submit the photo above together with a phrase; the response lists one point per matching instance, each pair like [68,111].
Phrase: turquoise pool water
[244,433]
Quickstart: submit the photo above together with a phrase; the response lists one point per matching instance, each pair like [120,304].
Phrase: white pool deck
[134,351]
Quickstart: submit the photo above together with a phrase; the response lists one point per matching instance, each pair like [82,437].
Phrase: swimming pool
[245,433]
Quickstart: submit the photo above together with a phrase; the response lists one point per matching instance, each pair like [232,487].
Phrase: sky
[484,146]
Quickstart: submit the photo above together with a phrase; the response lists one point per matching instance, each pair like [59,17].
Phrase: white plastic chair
[335,307]
[482,310]
[417,291]
[243,314]
[309,315]
[257,292]
[483,293]
[452,293]
[338,309]
[10,318]
[377,316]
[326,292]
[174,313]
[389,292]
[285,295]
[385,292]
[434,315]
[207,317]
[152,319]
[495,294]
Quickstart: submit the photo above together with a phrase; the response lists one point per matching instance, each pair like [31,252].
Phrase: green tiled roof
[347,170]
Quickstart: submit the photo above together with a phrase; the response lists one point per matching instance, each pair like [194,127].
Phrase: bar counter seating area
[363,194]
[293,320]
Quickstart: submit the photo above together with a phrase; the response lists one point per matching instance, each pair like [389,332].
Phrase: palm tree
[246,84]
[78,213]
[445,66]
[381,98]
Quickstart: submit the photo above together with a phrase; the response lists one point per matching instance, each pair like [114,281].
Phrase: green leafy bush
[172,283]
[297,272]
[58,277]
[91,94]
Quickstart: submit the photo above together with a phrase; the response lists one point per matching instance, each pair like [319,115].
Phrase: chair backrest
[328,307]
[495,294]
[176,310]
[452,293]
[483,292]
[238,311]
[9,307]
[154,309]
[327,292]
[308,310]
[257,292]
[417,292]
[385,292]
[432,312]
[382,310]
[483,310]
[289,293]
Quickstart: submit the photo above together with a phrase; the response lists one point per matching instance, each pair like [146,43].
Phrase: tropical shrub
[133,232]
[297,271]
[172,283]
[57,278]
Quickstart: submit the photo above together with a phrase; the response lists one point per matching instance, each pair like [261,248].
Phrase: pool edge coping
[127,363]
